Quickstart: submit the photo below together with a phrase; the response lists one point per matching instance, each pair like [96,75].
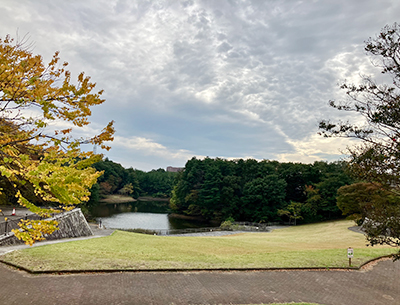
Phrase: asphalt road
[379,286]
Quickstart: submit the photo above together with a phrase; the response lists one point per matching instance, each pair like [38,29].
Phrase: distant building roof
[174,169]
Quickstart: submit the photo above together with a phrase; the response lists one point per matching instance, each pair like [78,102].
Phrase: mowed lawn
[315,245]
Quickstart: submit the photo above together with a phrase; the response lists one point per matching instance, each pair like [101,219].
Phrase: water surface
[149,215]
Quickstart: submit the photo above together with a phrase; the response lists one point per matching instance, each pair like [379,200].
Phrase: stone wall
[71,224]
[9,240]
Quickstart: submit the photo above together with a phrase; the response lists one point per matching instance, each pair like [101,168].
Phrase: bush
[228,224]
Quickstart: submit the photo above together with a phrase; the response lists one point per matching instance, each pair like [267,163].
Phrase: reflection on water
[142,214]
[107,210]
[137,220]
[177,223]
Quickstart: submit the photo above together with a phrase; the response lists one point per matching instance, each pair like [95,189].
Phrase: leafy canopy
[377,159]
[40,164]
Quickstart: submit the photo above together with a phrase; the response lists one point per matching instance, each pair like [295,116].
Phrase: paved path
[379,286]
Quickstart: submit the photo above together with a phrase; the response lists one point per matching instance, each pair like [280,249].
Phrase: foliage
[382,223]
[377,209]
[354,199]
[254,191]
[131,182]
[116,179]
[262,197]
[157,182]
[293,211]
[40,165]
[127,189]
[377,158]
[228,224]
[141,231]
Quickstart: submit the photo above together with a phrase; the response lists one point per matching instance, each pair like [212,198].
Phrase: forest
[243,190]
[259,191]
[131,182]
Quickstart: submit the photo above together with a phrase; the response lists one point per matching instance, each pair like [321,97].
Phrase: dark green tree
[231,194]
[157,182]
[253,190]
[211,192]
[355,199]
[263,197]
[186,190]
[328,188]
[377,158]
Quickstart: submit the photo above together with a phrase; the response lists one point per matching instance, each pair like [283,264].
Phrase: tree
[376,208]
[39,164]
[292,211]
[382,222]
[211,192]
[157,183]
[115,177]
[262,197]
[254,190]
[357,199]
[377,158]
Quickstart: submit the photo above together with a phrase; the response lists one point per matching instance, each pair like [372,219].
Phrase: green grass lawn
[315,245]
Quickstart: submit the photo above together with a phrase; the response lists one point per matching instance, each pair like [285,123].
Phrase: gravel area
[223,233]
[356,229]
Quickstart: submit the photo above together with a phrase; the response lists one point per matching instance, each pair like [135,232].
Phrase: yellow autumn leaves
[39,165]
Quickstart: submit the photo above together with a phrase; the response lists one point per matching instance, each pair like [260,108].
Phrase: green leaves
[254,191]
[377,159]
[40,166]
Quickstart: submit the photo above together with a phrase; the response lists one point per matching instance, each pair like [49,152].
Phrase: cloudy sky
[217,78]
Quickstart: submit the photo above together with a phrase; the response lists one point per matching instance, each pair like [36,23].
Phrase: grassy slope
[315,245]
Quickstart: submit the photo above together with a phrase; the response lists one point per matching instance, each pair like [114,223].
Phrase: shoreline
[195,218]
[181,216]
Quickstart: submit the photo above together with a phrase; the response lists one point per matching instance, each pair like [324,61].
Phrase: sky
[217,78]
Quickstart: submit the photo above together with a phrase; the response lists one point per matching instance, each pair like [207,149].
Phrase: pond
[149,215]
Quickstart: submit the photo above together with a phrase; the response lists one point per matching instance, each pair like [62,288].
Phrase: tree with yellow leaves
[39,164]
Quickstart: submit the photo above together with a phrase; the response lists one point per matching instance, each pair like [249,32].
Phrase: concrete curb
[319,269]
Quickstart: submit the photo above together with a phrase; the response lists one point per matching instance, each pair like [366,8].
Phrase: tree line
[116,179]
[260,191]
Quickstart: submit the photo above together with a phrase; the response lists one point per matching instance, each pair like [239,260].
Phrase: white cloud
[222,78]
[149,147]
[316,148]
